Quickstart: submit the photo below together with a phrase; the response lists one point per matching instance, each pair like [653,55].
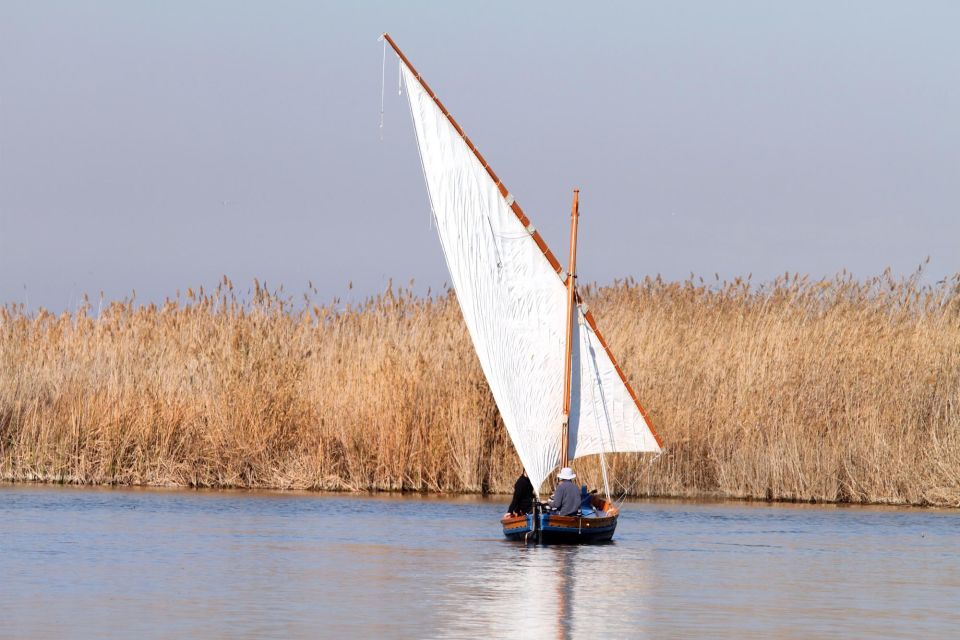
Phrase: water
[102,563]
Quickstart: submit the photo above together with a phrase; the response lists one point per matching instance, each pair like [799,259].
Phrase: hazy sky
[156,146]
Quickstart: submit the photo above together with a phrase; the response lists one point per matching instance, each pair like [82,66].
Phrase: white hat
[566,474]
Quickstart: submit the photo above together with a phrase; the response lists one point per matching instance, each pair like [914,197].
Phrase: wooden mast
[568,355]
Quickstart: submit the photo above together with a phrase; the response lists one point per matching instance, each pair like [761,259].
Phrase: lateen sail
[514,305]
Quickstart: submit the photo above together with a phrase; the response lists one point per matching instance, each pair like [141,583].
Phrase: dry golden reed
[836,390]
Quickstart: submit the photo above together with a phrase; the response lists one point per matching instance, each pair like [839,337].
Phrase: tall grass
[837,390]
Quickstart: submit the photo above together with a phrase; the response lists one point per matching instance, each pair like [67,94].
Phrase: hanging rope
[593,398]
[627,490]
[383,81]
[603,462]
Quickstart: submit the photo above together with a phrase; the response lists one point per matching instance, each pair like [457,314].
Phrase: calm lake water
[106,563]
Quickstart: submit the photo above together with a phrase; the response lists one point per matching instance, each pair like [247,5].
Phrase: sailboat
[559,390]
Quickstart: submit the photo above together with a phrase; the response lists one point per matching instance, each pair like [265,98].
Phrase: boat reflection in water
[551,592]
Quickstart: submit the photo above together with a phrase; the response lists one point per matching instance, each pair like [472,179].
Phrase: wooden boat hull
[576,529]
[549,528]
[518,527]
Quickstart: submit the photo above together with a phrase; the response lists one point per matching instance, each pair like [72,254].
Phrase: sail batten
[513,299]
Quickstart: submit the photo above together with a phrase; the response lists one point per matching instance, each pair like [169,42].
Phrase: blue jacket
[566,499]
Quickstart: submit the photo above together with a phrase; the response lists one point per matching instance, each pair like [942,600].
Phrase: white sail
[514,305]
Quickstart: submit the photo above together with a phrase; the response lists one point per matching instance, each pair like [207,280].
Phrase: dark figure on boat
[522,502]
[586,501]
[566,499]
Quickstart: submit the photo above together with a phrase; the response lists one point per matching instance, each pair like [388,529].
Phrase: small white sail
[514,305]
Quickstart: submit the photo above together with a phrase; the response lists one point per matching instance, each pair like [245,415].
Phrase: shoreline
[692,498]
[832,391]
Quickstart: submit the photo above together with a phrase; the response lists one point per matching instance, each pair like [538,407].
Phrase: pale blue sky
[156,146]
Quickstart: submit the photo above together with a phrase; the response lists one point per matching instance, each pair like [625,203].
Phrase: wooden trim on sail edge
[593,325]
[524,220]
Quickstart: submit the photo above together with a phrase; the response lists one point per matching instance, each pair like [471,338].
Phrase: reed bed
[833,390]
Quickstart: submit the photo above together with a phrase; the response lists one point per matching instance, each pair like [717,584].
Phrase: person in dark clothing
[522,502]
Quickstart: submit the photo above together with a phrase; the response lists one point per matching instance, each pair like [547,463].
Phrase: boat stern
[517,527]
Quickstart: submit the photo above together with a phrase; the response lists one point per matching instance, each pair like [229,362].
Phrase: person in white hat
[566,499]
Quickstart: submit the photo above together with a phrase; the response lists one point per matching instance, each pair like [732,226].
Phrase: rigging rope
[593,396]
[383,81]
[603,462]
[627,490]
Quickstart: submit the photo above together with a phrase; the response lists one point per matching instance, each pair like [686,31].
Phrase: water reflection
[550,592]
[163,564]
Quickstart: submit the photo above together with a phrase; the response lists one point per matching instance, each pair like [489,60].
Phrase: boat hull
[549,528]
[576,529]
[518,527]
